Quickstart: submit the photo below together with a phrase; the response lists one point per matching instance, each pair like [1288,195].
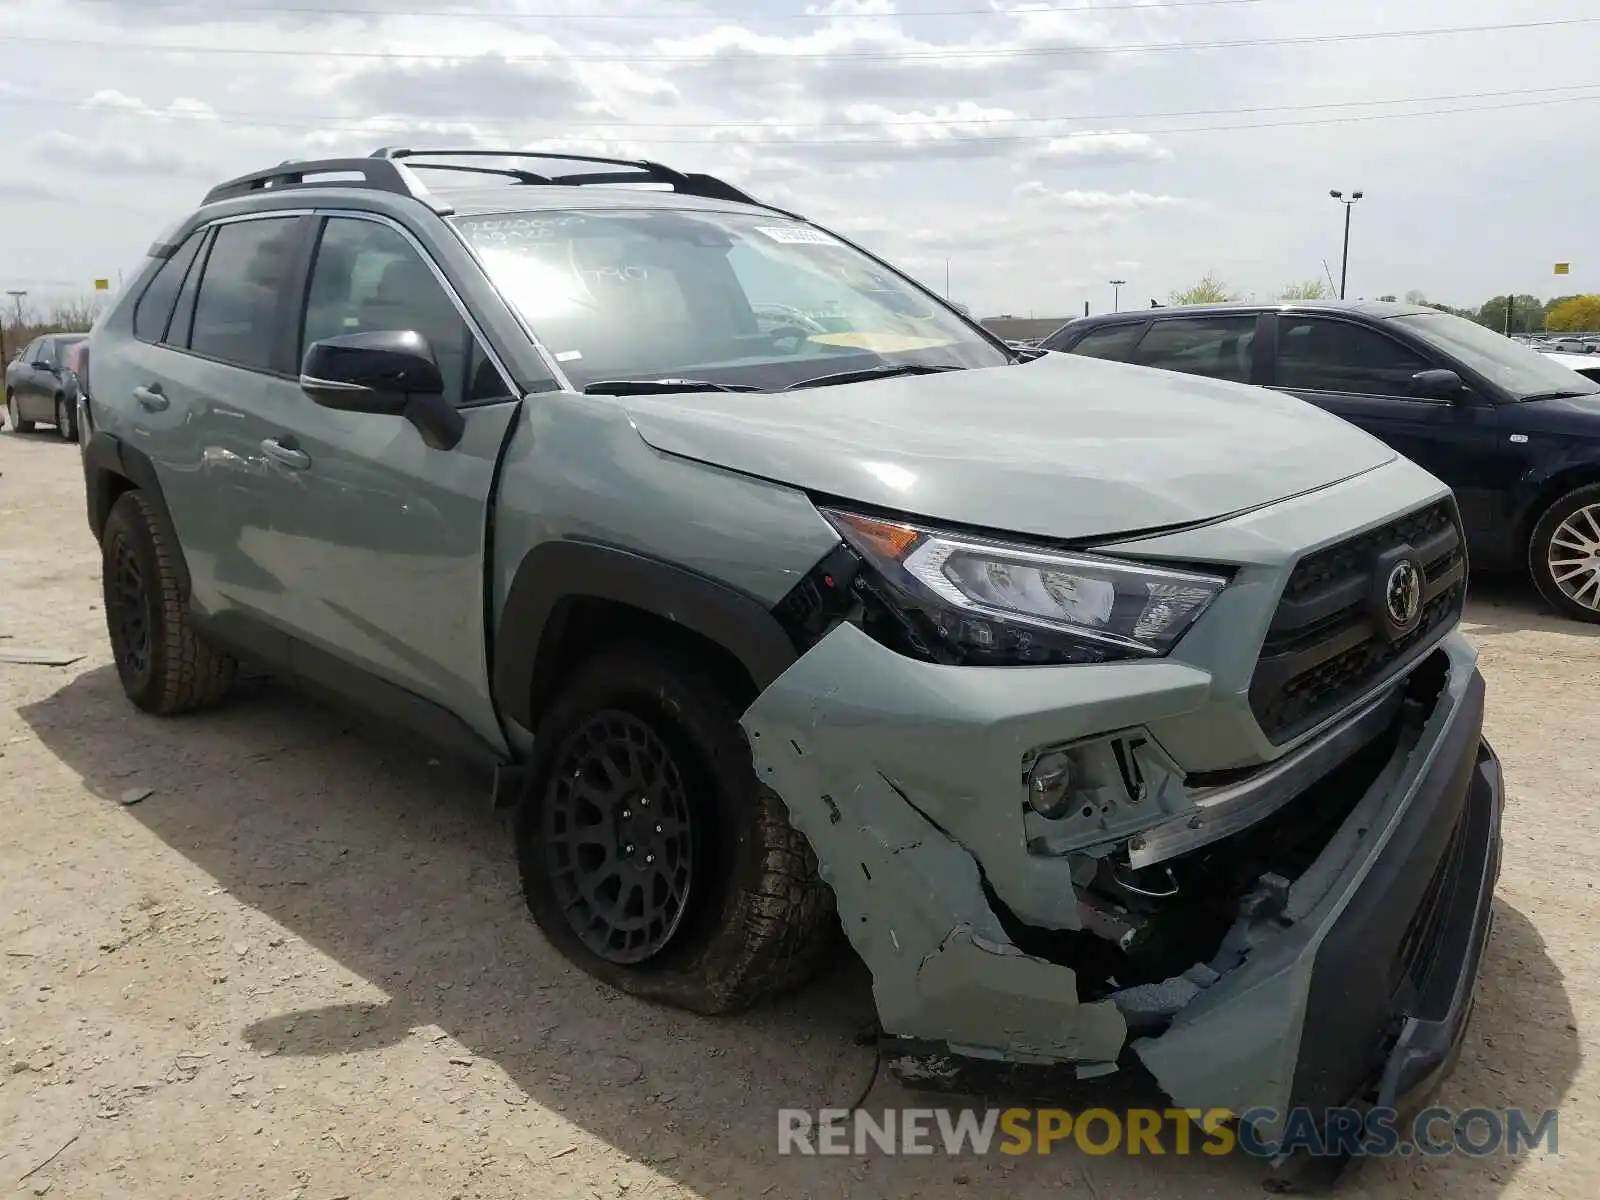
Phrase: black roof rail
[377,173]
[392,169]
[638,170]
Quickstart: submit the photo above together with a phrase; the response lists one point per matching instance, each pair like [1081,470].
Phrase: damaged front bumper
[1350,981]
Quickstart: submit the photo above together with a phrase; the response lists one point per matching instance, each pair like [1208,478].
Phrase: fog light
[1050,784]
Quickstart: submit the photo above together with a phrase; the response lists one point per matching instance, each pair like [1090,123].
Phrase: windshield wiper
[878,372]
[1562,395]
[661,387]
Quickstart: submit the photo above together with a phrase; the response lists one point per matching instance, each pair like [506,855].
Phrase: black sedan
[1516,435]
[41,385]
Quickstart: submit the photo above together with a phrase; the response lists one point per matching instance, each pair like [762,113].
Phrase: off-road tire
[1539,552]
[178,671]
[759,918]
[66,420]
[14,415]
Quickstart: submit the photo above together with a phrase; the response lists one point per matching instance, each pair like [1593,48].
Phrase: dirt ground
[301,966]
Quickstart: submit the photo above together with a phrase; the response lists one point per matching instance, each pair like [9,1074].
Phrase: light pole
[1116,294]
[1344,265]
[19,297]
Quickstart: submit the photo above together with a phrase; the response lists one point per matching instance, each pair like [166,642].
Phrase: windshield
[1522,372]
[730,298]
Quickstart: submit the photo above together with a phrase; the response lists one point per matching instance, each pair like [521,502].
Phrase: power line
[456,14]
[262,120]
[903,56]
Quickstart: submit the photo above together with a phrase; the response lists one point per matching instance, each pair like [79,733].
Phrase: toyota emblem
[1402,595]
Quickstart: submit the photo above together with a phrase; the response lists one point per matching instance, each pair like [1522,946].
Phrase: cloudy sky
[1040,149]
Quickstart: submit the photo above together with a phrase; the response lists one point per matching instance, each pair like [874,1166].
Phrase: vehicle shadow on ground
[396,868]
[1500,603]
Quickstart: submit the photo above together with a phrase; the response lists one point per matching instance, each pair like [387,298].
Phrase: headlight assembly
[977,600]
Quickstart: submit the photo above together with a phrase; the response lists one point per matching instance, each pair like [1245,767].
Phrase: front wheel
[14,415]
[651,856]
[165,666]
[1564,554]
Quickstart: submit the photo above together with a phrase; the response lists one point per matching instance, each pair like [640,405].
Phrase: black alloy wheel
[619,837]
[130,607]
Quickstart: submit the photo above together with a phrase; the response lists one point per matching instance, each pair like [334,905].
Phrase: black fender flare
[108,461]
[555,572]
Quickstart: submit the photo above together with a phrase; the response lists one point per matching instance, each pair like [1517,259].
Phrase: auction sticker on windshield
[881,343]
[797,235]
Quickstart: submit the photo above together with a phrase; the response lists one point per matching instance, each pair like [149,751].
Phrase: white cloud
[1084,201]
[911,133]
[1103,147]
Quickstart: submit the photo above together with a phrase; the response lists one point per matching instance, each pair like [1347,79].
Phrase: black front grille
[1328,642]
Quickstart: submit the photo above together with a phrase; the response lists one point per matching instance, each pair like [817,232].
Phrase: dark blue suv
[1516,435]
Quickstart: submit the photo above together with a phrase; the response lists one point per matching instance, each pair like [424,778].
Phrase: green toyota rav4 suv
[1117,715]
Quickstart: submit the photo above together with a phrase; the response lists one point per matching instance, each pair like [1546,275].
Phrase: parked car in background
[42,386]
[1567,345]
[1514,432]
[1587,365]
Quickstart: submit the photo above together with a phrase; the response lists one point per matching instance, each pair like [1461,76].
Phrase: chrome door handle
[289,456]
[151,397]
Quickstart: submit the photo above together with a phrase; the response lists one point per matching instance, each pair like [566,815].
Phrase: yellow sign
[102,285]
[1563,268]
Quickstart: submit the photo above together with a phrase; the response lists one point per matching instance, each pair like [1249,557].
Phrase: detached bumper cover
[904,777]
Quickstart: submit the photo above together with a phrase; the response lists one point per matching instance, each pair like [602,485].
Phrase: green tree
[1210,290]
[1576,314]
[1310,289]
[1526,314]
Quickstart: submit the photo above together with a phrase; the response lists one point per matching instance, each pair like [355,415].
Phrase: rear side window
[1216,347]
[1319,355]
[241,292]
[151,313]
[1114,342]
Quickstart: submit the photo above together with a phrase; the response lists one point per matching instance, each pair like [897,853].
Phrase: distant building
[1022,328]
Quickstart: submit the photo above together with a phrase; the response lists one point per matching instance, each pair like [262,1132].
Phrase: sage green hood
[1063,447]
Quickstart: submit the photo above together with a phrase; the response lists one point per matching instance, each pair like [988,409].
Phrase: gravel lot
[301,966]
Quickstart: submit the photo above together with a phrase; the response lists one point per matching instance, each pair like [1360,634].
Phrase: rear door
[386,537]
[1216,346]
[1364,375]
[207,337]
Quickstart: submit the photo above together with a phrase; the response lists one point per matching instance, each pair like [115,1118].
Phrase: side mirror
[387,373]
[1438,385]
[39,364]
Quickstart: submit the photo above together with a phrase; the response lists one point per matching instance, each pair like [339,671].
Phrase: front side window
[1216,347]
[755,301]
[242,291]
[1522,372]
[1320,355]
[367,278]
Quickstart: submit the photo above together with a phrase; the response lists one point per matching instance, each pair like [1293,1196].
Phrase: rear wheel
[651,855]
[14,415]
[66,425]
[1564,554]
[164,664]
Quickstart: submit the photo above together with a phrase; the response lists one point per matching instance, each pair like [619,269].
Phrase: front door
[385,538]
[1364,376]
